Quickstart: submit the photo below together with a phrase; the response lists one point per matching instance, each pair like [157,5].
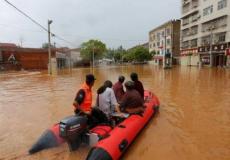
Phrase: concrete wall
[185,60]
[194,60]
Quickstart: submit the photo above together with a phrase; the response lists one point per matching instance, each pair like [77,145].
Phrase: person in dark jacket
[118,88]
[137,84]
[132,102]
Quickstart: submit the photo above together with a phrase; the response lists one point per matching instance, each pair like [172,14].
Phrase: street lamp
[49,48]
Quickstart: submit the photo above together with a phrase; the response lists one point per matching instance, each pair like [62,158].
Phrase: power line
[55,35]
[34,21]
[26,15]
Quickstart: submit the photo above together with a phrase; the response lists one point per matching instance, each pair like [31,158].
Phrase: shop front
[158,60]
[227,54]
[215,57]
[189,57]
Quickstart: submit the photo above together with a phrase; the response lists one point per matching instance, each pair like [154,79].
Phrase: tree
[116,54]
[92,46]
[153,53]
[109,53]
[119,53]
[138,54]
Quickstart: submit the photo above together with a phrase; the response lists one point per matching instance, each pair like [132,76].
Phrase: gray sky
[114,22]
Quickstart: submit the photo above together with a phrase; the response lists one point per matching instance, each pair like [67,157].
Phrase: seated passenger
[132,102]
[137,84]
[118,88]
[106,100]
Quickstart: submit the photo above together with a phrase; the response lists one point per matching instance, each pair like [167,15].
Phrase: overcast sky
[114,22]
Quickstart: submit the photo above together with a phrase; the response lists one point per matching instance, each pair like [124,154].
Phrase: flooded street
[193,123]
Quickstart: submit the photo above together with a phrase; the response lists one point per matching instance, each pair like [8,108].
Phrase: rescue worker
[83,99]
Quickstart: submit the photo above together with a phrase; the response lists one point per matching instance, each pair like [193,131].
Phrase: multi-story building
[205,32]
[165,40]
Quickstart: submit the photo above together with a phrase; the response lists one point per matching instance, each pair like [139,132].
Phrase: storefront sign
[216,48]
[189,52]
[158,57]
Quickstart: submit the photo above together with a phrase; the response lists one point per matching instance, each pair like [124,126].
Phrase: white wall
[185,60]
[194,60]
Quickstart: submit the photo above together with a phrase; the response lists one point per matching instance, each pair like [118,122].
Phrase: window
[158,36]
[168,31]
[208,10]
[168,41]
[222,4]
[167,51]
[222,37]
[194,43]
[158,44]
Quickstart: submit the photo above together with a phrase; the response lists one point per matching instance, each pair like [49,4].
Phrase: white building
[205,32]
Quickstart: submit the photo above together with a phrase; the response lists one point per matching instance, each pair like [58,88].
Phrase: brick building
[16,58]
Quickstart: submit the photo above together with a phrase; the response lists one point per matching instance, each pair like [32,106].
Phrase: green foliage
[116,54]
[153,53]
[92,46]
[138,54]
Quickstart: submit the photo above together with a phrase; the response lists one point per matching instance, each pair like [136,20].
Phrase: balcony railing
[189,6]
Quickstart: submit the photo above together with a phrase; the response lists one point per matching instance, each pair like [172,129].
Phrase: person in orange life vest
[83,99]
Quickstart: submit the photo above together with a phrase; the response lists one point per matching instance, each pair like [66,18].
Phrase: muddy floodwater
[193,123]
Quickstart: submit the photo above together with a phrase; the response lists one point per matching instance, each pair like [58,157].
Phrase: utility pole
[49,48]
[93,54]
[164,48]
[210,50]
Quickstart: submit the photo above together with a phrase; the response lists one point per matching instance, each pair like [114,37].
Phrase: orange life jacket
[87,102]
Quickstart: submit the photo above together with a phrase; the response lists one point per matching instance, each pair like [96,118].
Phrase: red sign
[189,52]
[227,52]
[158,57]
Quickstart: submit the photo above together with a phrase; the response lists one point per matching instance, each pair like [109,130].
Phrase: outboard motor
[73,129]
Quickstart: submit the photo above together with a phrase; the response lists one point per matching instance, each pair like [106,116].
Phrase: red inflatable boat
[108,143]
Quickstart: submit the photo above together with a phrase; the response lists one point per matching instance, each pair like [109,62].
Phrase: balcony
[185,22]
[216,24]
[189,8]
[195,4]
[193,43]
[186,2]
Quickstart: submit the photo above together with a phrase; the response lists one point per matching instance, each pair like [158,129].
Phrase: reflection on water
[193,122]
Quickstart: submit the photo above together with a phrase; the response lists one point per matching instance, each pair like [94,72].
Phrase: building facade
[205,32]
[16,58]
[165,40]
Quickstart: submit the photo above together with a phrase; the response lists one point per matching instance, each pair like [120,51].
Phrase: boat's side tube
[121,136]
